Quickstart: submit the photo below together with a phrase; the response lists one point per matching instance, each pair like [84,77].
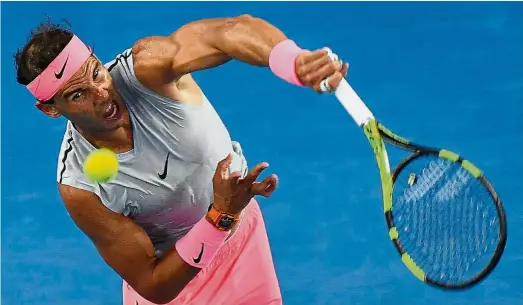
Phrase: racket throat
[373,134]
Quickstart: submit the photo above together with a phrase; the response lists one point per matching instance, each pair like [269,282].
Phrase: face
[89,99]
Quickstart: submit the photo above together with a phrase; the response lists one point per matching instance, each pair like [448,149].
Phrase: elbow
[258,27]
[249,20]
[245,18]
[159,300]
[157,295]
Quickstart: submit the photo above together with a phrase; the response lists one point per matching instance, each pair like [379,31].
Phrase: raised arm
[209,43]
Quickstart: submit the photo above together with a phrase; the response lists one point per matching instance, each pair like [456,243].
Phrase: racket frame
[377,135]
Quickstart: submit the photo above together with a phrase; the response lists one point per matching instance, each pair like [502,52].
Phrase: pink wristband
[199,246]
[282,61]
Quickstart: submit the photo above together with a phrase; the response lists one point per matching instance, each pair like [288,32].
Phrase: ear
[48,109]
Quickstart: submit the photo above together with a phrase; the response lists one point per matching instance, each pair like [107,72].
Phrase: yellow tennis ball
[101,166]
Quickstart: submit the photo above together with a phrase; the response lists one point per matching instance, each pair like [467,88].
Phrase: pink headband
[60,70]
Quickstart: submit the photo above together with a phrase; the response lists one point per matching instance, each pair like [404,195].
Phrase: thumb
[223,166]
[345,69]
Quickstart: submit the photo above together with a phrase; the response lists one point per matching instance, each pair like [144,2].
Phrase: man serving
[179,223]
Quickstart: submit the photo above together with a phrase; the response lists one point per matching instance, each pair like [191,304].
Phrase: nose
[101,92]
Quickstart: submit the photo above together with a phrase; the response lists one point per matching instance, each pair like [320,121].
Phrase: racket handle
[353,103]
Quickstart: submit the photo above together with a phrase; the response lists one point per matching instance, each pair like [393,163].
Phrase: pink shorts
[242,273]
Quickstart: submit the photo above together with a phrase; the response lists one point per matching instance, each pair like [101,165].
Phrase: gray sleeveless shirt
[165,182]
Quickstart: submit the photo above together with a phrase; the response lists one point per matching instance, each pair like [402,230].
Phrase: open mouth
[112,111]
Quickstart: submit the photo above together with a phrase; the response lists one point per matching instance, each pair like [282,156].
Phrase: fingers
[328,68]
[307,60]
[307,57]
[333,81]
[307,70]
[249,184]
[315,66]
[321,70]
[255,172]
[266,187]
[223,167]
[344,69]
[234,177]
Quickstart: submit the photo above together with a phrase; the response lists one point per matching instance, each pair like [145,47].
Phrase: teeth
[114,111]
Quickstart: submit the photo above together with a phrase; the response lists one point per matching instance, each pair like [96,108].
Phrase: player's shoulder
[120,59]
[156,50]
[140,51]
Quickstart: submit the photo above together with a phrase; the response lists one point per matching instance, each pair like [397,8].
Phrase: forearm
[181,264]
[169,277]
[130,252]
[248,39]
[209,43]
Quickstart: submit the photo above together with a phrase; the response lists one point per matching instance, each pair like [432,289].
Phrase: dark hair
[43,46]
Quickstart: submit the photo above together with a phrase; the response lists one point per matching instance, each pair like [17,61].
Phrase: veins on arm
[208,43]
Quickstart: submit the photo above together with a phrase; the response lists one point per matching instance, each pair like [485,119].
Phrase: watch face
[226,222]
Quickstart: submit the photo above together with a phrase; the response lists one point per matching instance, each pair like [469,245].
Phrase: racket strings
[445,219]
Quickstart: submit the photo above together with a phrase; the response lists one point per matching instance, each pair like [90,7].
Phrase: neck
[119,140]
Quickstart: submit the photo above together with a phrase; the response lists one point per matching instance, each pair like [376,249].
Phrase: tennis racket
[443,216]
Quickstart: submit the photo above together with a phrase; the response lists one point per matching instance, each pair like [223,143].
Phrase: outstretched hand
[233,193]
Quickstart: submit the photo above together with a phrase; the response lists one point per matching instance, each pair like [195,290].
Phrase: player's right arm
[127,248]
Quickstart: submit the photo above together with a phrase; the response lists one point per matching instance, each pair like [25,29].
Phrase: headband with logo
[60,70]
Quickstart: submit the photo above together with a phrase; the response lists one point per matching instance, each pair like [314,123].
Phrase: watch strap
[214,216]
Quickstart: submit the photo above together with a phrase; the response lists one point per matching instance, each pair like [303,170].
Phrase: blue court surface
[445,74]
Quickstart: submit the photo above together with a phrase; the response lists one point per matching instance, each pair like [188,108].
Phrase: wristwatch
[222,221]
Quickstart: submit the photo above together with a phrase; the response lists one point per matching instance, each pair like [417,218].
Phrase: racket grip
[353,103]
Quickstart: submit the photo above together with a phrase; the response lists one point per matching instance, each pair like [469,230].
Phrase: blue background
[445,74]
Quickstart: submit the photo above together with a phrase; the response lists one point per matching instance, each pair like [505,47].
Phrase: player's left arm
[208,43]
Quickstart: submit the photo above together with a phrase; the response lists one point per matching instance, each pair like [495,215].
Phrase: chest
[167,184]
[158,190]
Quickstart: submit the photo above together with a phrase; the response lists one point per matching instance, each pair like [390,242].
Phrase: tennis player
[179,223]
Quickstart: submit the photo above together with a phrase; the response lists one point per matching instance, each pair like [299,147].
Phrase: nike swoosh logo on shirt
[164,174]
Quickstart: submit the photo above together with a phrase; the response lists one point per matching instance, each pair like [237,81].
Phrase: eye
[77,95]
[96,72]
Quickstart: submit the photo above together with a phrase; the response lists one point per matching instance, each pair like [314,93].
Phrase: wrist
[222,220]
[200,245]
[223,205]
[282,61]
